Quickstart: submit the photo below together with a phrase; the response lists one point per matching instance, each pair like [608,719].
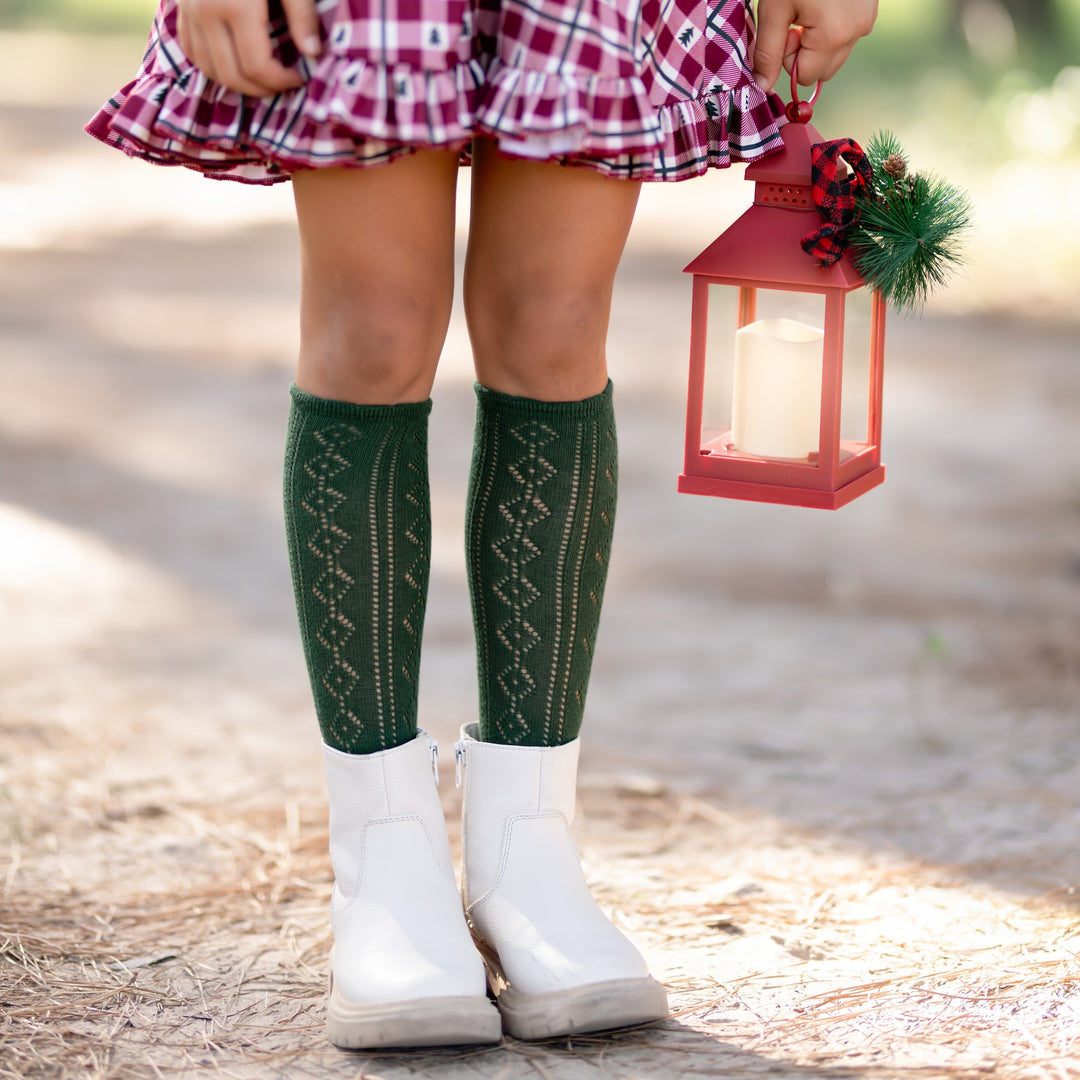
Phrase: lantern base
[782,494]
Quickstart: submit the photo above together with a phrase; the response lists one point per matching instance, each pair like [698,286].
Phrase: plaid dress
[638,89]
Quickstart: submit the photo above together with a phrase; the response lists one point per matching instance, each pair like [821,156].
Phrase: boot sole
[606,1006]
[600,1007]
[446,1021]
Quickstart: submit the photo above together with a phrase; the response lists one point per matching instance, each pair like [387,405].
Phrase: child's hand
[228,40]
[822,32]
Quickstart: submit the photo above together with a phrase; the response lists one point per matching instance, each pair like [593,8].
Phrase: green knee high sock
[541,510]
[358,521]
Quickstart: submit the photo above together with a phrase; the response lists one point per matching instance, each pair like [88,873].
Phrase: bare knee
[377,261]
[540,341]
[371,346]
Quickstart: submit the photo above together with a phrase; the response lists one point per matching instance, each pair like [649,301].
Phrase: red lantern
[782,428]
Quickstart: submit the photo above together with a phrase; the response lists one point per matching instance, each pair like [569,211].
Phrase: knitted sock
[541,510]
[358,521]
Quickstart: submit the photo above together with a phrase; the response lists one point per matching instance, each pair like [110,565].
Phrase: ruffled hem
[729,125]
[353,113]
[348,112]
[548,115]
[711,132]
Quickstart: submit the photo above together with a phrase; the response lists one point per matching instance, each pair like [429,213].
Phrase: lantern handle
[800,112]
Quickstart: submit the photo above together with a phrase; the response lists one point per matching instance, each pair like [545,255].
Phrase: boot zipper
[435,761]
[459,761]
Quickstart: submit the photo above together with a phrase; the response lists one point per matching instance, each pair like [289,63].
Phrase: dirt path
[830,782]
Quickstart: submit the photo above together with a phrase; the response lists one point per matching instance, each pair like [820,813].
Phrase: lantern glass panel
[854,413]
[805,307]
[776,396]
[719,364]
[762,393]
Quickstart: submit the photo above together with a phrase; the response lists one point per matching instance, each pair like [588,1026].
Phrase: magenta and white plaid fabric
[638,89]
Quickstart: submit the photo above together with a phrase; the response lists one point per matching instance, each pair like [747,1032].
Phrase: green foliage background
[900,22]
[95,15]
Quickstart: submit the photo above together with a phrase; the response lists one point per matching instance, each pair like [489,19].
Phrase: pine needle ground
[785,953]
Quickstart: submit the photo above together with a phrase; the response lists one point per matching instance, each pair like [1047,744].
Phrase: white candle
[776,400]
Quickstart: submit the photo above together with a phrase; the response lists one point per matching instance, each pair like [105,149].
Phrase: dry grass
[812,958]
[117,984]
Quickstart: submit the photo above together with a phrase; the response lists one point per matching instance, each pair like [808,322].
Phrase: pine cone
[895,165]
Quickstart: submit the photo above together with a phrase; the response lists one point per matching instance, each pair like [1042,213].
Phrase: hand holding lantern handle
[823,32]
[799,111]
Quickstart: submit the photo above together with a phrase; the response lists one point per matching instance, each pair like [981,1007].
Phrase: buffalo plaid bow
[835,196]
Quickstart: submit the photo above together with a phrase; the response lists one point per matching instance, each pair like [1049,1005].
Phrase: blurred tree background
[987,94]
[997,76]
[983,92]
[992,30]
[117,16]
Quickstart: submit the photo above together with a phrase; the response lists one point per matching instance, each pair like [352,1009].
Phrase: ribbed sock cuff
[596,405]
[328,409]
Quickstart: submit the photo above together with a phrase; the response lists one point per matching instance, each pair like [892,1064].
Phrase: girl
[563,108]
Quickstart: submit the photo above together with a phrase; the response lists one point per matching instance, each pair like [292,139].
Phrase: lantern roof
[762,247]
[790,165]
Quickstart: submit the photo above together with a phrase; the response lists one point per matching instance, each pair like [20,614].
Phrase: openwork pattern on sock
[357,506]
[327,542]
[540,519]
[522,511]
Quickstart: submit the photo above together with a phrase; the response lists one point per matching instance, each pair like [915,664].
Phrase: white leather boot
[555,962]
[404,970]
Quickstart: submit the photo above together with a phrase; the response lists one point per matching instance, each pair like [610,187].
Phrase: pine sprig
[906,238]
[884,147]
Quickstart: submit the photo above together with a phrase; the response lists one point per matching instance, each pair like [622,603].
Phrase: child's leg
[377,282]
[377,260]
[377,250]
[543,250]
[544,245]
